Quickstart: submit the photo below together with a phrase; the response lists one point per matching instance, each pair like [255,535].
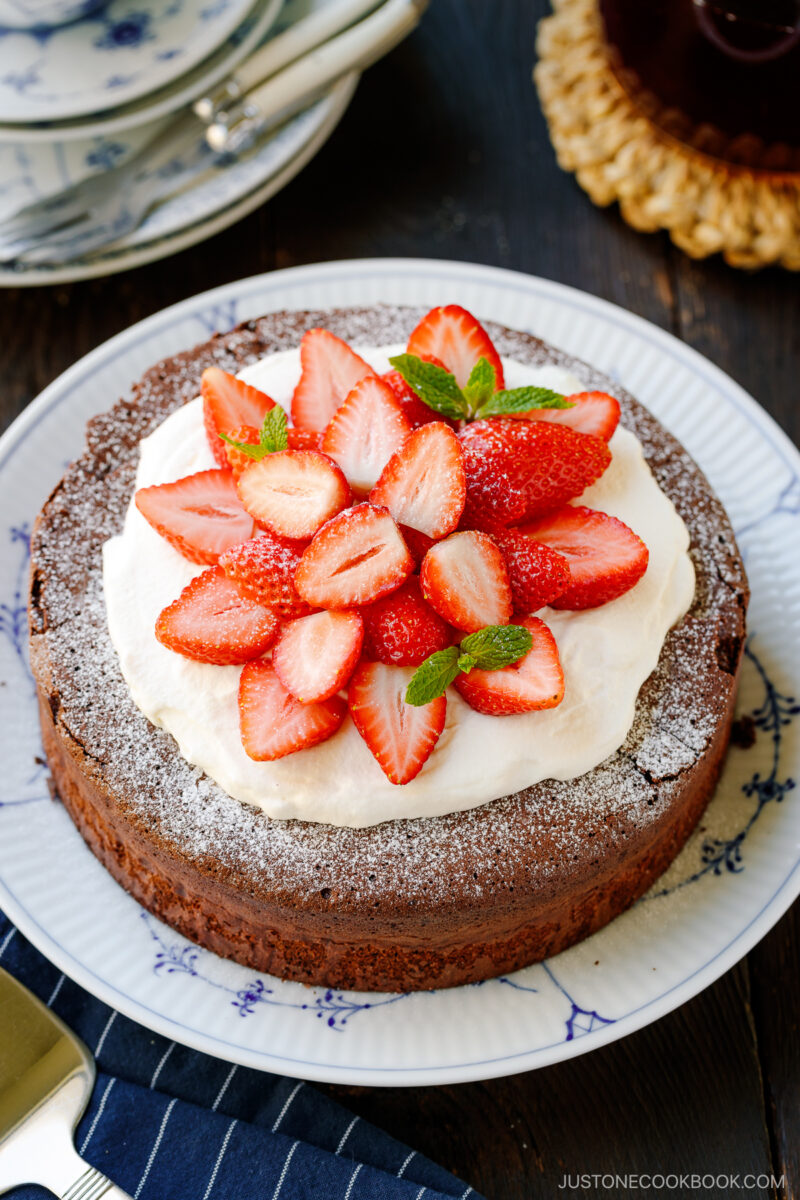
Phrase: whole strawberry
[517,470]
[402,628]
[263,568]
[538,574]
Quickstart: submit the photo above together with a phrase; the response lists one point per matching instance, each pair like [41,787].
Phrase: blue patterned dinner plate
[110,57]
[736,876]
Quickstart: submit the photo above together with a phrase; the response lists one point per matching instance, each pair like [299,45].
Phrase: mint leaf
[433,677]
[521,400]
[435,386]
[497,646]
[489,649]
[481,383]
[272,436]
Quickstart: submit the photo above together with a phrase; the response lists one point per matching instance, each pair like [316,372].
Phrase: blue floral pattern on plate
[108,58]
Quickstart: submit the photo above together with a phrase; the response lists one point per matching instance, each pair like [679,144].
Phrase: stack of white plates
[83,98]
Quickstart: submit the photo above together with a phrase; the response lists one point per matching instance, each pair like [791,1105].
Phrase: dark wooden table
[444,153]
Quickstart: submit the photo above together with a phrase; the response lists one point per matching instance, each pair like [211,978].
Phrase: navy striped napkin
[169,1123]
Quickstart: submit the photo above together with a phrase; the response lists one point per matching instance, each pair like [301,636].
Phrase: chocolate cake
[406,904]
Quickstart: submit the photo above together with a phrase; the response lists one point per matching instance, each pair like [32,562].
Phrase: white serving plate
[735,878]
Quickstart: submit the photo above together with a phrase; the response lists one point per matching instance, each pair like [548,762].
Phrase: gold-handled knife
[46,1078]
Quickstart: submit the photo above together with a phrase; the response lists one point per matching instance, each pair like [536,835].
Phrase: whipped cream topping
[607,653]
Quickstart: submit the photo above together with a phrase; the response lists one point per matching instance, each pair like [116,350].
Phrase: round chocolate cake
[406,904]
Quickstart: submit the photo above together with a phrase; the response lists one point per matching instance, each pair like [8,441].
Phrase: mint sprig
[521,400]
[273,436]
[489,649]
[437,387]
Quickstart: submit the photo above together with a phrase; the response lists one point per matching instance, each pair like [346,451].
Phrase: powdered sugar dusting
[537,838]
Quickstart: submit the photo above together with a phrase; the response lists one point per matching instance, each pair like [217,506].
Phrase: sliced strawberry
[399,735]
[355,558]
[423,484]
[457,339]
[465,579]
[330,371]
[365,432]
[418,543]
[605,557]
[535,682]
[415,411]
[316,655]
[237,459]
[538,574]
[228,403]
[517,470]
[273,723]
[303,439]
[200,515]
[294,492]
[263,568]
[403,629]
[211,621]
[595,413]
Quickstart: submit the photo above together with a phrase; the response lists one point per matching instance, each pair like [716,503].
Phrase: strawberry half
[330,371]
[237,459]
[365,432]
[423,484]
[517,469]
[465,579]
[457,339]
[533,683]
[400,736]
[402,628]
[303,439]
[316,655]
[211,621]
[538,574]
[595,413]
[228,403]
[273,723]
[418,543]
[605,557]
[263,568]
[355,558]
[293,492]
[200,515]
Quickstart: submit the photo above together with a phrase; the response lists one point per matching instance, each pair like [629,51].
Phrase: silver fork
[93,213]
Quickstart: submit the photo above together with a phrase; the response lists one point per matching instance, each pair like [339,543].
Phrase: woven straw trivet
[602,133]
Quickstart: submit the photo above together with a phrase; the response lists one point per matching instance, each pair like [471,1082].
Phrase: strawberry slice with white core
[400,736]
[200,515]
[316,655]
[365,432]
[465,579]
[356,557]
[212,622]
[605,557]
[273,723]
[229,403]
[294,492]
[330,371]
[456,338]
[535,682]
[424,483]
[595,413]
